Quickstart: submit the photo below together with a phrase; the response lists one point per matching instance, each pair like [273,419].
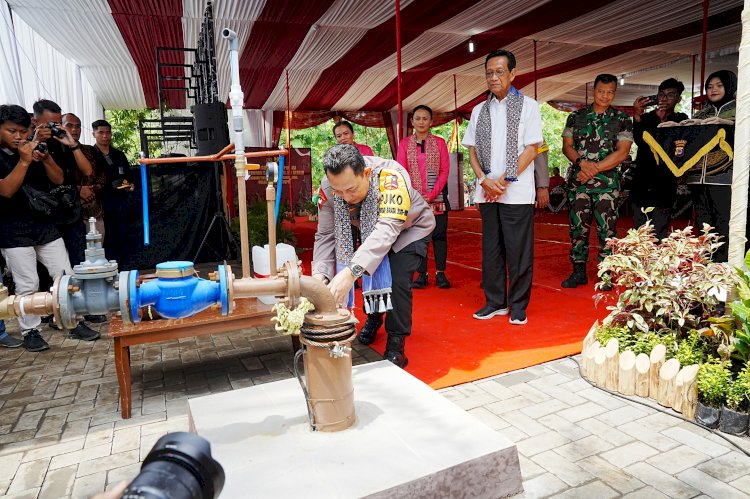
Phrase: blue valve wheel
[223,289]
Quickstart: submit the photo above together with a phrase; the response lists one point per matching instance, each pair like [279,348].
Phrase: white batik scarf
[484,135]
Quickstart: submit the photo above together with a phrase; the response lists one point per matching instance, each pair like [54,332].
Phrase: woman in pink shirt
[426,159]
[344,133]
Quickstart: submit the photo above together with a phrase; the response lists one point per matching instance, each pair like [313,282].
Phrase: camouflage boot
[578,277]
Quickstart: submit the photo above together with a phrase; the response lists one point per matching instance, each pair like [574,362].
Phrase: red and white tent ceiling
[341,54]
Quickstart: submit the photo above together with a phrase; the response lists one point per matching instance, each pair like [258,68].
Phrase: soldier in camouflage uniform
[596,139]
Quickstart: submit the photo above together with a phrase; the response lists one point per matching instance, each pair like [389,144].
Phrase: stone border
[651,376]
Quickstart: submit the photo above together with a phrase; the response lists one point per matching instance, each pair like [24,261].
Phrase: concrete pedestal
[408,441]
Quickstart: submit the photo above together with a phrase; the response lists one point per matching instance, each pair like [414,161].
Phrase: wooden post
[588,360]
[627,378]
[689,391]
[612,364]
[667,374]
[656,358]
[642,369]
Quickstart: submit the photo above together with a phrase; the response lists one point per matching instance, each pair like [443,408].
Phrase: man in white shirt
[503,138]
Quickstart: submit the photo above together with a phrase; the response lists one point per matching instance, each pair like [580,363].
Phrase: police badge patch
[679,148]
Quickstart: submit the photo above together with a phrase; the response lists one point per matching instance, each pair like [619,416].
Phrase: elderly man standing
[376,196]
[503,138]
[596,139]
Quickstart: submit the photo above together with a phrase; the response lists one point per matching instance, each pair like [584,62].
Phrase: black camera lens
[56,130]
[42,148]
[179,466]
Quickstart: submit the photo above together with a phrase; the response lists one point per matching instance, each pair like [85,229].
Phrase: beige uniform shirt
[393,230]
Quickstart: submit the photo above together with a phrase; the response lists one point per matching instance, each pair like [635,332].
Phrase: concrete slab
[408,441]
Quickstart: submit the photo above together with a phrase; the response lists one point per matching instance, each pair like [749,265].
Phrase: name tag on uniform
[394,196]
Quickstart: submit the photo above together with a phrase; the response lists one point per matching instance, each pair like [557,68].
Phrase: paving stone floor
[61,434]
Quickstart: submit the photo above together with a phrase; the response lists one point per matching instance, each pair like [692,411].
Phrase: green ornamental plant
[670,285]
[714,378]
[741,313]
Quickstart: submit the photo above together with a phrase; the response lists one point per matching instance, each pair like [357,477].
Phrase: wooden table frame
[248,313]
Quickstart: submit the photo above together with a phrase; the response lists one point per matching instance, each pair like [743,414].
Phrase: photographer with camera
[652,185]
[117,193]
[27,233]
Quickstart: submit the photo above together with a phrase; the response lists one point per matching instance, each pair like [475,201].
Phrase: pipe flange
[343,316]
[65,310]
[230,287]
[56,299]
[124,297]
[293,286]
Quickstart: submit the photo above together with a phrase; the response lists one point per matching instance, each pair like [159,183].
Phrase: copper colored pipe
[270,208]
[33,304]
[220,156]
[311,288]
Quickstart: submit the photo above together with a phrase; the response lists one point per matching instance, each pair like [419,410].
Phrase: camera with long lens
[179,466]
[56,129]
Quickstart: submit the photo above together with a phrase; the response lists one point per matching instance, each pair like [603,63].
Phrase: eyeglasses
[498,72]
[668,95]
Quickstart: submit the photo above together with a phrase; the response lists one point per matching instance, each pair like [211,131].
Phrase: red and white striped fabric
[341,54]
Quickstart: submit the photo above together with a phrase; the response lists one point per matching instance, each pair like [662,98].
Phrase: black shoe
[46,319]
[578,277]
[370,329]
[488,312]
[33,341]
[9,341]
[83,332]
[442,281]
[394,351]
[421,281]
[518,319]
[95,319]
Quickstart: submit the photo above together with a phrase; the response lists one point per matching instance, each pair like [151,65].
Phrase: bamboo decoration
[642,370]
[590,337]
[599,375]
[688,392]
[611,363]
[588,360]
[627,374]
[667,374]
[657,358]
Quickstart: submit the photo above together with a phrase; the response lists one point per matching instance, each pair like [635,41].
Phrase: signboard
[297,181]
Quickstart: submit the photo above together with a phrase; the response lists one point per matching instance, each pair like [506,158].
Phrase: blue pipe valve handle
[177,293]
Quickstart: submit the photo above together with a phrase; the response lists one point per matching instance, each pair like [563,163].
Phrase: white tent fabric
[10,81]
[46,74]
[741,171]
[88,33]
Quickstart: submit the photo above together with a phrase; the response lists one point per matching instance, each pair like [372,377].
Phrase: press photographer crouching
[26,233]
[179,466]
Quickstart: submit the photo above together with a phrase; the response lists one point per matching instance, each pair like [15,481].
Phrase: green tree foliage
[320,138]
[125,134]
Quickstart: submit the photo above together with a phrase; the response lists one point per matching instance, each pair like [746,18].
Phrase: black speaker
[211,130]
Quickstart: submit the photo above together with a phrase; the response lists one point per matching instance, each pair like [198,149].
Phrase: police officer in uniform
[596,139]
[374,195]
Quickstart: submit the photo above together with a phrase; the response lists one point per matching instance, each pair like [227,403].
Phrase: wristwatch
[356,270]
[78,145]
[481,179]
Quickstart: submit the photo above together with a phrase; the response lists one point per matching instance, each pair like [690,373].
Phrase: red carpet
[448,347]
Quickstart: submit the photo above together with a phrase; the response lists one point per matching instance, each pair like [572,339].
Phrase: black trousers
[659,216]
[507,254]
[712,206]
[74,236]
[439,239]
[398,320]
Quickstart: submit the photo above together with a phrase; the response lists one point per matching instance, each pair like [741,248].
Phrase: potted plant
[734,415]
[714,377]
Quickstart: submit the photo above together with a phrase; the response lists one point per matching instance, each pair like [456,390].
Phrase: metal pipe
[317,292]
[250,287]
[399,128]
[703,44]
[237,98]
[311,288]
[270,201]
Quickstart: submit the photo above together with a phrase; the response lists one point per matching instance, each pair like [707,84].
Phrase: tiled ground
[61,434]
